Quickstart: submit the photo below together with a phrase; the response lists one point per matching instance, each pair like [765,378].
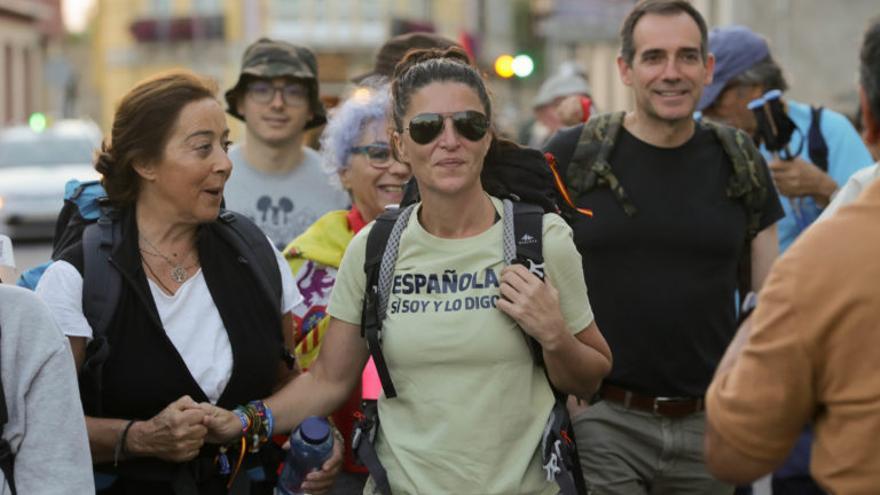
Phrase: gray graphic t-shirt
[283,205]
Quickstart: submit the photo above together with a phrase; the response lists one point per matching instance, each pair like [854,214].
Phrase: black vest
[144,372]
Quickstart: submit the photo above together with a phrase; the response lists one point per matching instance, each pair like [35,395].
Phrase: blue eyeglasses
[379,154]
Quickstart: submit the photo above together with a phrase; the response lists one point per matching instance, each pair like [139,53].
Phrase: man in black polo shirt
[663,280]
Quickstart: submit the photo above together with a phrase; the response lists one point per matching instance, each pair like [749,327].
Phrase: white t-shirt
[204,347]
[854,186]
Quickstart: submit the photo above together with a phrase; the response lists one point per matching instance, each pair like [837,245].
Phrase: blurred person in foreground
[358,156]
[278,181]
[427,441]
[192,322]
[44,429]
[808,354]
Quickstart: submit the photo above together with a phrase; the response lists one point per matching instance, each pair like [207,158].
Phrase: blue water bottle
[311,444]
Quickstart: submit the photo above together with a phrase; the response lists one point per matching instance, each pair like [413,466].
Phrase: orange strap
[237,464]
[560,186]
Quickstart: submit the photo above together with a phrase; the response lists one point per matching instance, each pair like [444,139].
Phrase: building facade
[30,30]
[815,41]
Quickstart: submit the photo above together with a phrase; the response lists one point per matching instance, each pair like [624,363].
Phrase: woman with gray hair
[358,158]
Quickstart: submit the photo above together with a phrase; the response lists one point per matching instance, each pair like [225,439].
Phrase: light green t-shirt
[471,403]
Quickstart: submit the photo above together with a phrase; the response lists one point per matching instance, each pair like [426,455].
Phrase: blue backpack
[82,207]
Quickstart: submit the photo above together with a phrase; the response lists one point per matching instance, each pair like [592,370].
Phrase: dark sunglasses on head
[470,124]
[264,92]
[379,154]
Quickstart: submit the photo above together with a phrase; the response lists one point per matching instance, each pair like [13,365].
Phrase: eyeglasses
[264,92]
[470,124]
[379,154]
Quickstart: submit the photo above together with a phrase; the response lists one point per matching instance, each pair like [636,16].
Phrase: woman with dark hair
[191,323]
[471,402]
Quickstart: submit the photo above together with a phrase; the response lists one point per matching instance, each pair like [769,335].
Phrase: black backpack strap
[748,184]
[381,251]
[817,147]
[7,457]
[523,244]
[523,233]
[381,255]
[255,251]
[362,443]
[102,284]
[590,168]
[253,248]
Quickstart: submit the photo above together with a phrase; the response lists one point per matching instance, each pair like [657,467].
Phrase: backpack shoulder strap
[816,145]
[7,457]
[748,182]
[589,167]
[252,245]
[102,284]
[523,239]
[523,236]
[383,242]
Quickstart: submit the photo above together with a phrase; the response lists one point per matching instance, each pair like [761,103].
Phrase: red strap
[560,185]
[586,107]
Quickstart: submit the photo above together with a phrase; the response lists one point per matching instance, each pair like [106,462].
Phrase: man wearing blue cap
[830,148]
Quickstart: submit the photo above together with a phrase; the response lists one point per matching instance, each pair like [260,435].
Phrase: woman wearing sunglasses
[471,403]
[356,153]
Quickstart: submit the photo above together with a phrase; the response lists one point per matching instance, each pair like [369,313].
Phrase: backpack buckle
[536,269]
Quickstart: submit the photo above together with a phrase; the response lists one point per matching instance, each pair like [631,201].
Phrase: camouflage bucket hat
[267,58]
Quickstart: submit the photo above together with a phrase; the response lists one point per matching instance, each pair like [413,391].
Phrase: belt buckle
[663,400]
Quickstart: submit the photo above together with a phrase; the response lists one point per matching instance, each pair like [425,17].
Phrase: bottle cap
[314,429]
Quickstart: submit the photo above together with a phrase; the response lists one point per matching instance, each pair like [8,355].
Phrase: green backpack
[589,169]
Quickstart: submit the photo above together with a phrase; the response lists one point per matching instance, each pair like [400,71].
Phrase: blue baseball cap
[736,50]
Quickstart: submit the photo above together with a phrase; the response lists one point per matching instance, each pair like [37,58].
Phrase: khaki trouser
[628,452]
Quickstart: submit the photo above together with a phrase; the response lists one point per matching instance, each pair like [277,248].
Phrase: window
[160,8]
[207,7]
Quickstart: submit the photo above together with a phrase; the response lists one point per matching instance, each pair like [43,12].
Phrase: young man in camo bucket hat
[277,181]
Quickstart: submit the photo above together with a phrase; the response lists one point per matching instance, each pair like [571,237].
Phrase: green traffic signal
[37,122]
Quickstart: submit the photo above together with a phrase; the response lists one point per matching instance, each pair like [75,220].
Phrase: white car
[34,166]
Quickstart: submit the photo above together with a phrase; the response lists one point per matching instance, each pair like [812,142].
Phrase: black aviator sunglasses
[470,124]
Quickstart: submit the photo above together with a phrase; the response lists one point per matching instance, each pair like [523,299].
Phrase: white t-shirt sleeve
[61,288]
[290,295]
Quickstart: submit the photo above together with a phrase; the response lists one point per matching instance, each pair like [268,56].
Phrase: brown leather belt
[670,407]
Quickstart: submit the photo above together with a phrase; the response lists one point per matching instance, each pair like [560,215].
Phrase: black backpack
[817,146]
[522,178]
[87,215]
[7,456]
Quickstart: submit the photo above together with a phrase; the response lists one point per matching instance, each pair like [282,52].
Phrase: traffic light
[504,66]
[37,121]
[521,66]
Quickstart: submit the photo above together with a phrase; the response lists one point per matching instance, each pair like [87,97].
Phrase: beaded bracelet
[257,424]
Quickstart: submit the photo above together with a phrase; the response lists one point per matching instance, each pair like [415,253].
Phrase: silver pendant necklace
[178,273]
